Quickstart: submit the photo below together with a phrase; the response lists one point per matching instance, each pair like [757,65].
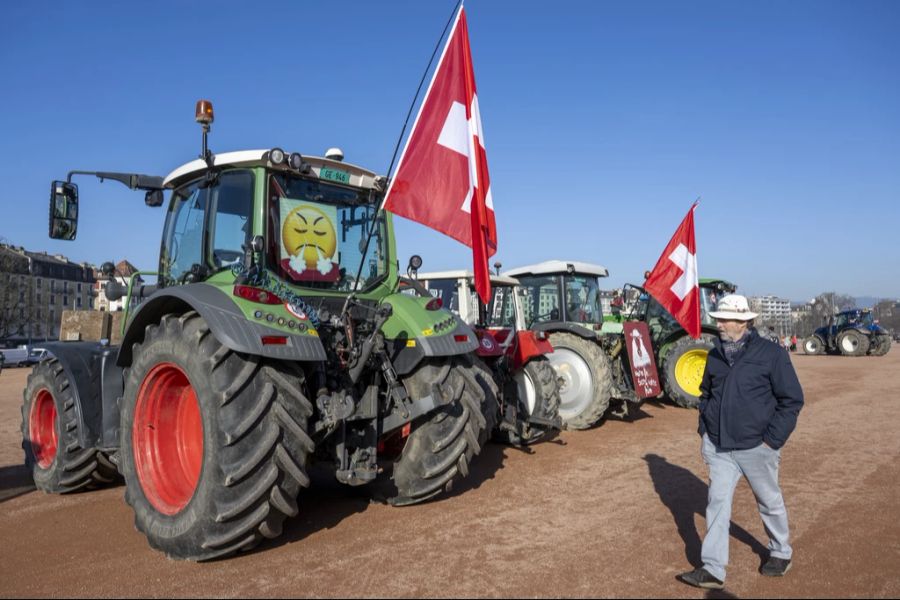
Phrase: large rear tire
[537,392]
[683,369]
[586,379]
[214,443]
[852,343]
[53,434]
[441,444]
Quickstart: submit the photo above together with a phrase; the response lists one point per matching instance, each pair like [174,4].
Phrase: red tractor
[528,385]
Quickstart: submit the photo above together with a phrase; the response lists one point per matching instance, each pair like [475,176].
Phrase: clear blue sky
[603,122]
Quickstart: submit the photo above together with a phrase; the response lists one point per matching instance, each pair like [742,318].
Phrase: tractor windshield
[583,299]
[540,302]
[501,312]
[207,227]
[709,299]
[317,232]
[659,320]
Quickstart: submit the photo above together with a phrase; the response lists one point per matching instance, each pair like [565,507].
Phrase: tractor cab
[557,292]
[309,228]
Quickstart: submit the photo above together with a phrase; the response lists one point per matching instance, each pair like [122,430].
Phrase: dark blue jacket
[756,400]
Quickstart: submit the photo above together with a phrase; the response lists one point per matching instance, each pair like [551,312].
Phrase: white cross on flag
[673,281]
[442,178]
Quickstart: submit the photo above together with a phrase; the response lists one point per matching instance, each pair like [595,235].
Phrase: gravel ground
[613,511]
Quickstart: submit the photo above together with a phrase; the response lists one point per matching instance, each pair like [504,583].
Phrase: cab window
[207,227]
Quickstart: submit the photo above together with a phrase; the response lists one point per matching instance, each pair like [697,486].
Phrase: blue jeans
[760,466]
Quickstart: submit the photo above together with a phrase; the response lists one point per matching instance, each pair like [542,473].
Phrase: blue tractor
[851,333]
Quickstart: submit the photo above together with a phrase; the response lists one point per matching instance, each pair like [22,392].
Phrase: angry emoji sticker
[309,240]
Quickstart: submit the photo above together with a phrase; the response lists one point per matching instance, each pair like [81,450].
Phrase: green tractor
[275,336]
[682,359]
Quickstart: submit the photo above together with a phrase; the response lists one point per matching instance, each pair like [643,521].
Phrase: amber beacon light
[204,112]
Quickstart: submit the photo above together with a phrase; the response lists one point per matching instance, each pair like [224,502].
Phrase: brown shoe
[702,578]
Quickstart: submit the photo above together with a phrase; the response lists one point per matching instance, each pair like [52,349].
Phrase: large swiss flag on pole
[673,281]
[442,178]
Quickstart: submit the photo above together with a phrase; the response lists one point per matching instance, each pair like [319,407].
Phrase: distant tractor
[851,333]
[562,300]
[275,336]
[518,357]
[682,358]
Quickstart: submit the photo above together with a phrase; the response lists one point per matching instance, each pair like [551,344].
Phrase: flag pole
[412,105]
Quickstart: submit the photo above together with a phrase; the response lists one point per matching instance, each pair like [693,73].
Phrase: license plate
[334,175]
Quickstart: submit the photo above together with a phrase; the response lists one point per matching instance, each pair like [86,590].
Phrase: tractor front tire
[53,435]
[683,368]
[586,379]
[537,391]
[813,345]
[214,442]
[853,343]
[442,443]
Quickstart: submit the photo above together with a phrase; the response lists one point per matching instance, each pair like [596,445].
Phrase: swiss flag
[673,281]
[442,178]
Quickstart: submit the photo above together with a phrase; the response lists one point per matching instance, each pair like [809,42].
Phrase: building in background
[35,288]
[124,271]
[773,312]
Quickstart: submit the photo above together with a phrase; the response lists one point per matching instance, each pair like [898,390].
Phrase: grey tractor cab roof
[466,274]
[358,177]
[554,267]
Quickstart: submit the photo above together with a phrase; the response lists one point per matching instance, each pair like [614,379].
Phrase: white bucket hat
[733,307]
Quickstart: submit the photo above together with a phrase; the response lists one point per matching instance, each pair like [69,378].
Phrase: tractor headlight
[276,156]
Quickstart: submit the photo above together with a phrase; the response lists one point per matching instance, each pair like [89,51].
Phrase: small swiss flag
[442,178]
[673,281]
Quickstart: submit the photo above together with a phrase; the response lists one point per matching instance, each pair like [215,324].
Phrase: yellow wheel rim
[689,370]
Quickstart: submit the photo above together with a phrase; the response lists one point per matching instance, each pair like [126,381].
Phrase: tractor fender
[579,330]
[406,353]
[225,320]
[97,382]
[529,346]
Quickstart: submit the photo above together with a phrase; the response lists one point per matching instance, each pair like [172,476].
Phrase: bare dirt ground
[614,511]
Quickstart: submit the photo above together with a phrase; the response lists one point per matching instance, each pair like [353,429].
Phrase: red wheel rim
[167,435]
[42,428]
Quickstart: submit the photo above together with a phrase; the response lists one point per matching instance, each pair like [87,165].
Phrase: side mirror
[153,198]
[63,210]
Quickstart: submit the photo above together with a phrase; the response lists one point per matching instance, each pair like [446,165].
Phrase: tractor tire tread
[254,456]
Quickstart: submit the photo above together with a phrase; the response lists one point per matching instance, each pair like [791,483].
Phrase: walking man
[749,401]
